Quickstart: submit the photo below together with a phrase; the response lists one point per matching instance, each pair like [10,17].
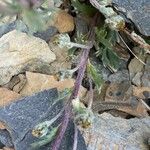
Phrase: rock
[62,21]
[37,82]
[137,11]
[137,79]
[5,138]
[119,96]
[7,96]
[146,74]
[16,83]
[119,76]
[81,25]
[119,92]
[7,19]
[136,71]
[7,148]
[5,28]
[21,116]
[22,81]
[46,35]
[109,132]
[141,92]
[15,57]
[21,26]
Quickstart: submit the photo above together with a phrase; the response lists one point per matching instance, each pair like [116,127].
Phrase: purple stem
[81,71]
[75,93]
[75,144]
[90,94]
[63,128]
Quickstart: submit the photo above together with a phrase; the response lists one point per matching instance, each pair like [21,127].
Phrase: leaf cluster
[105,44]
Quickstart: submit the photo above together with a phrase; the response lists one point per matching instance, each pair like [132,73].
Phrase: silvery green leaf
[46,139]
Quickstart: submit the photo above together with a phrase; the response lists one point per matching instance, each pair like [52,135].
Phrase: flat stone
[5,138]
[119,76]
[7,96]
[137,11]
[21,116]
[146,74]
[19,51]
[117,133]
[46,82]
[37,82]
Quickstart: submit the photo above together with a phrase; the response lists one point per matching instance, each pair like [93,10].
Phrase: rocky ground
[33,75]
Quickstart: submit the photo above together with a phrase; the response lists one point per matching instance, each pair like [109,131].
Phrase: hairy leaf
[96,77]
[46,139]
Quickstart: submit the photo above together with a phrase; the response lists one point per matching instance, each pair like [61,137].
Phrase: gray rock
[146,74]
[19,25]
[110,132]
[5,138]
[137,11]
[19,51]
[119,76]
[81,25]
[46,35]
[137,79]
[22,115]
[12,26]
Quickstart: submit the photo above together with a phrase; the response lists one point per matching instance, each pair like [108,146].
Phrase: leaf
[110,59]
[96,77]
[34,20]
[107,39]
[46,139]
[83,8]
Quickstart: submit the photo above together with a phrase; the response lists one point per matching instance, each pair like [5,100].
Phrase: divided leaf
[106,41]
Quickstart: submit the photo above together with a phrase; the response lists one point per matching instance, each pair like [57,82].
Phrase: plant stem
[63,128]
[75,144]
[75,93]
[90,94]
[77,45]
